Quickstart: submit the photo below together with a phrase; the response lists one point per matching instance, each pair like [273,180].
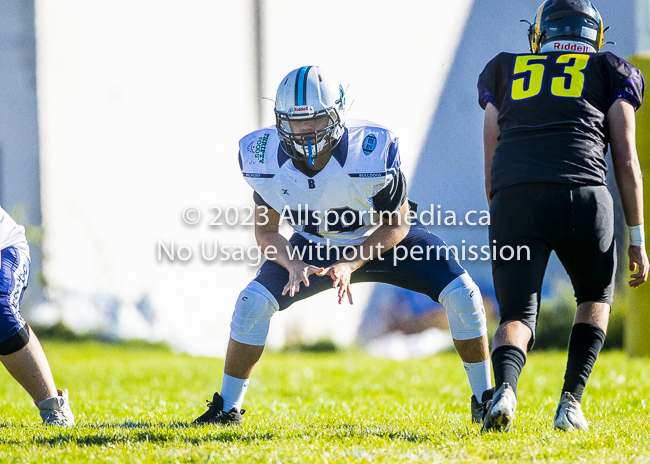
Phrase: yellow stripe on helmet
[599,39]
[538,21]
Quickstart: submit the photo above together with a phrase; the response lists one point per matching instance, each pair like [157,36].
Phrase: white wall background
[141,105]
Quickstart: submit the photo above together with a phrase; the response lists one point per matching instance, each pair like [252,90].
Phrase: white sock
[479,376]
[233,391]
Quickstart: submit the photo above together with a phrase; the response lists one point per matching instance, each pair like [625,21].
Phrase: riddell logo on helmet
[302,109]
[572,47]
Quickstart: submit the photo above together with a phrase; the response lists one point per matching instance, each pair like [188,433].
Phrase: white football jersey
[336,204]
[12,234]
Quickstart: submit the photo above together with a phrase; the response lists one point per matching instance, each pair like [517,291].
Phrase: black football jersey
[552,109]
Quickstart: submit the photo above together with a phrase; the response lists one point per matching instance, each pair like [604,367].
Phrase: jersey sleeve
[392,196]
[259,201]
[393,160]
[488,84]
[627,82]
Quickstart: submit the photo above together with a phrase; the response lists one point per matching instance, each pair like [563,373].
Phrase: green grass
[134,404]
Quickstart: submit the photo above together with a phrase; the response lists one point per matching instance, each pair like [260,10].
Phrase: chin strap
[311,153]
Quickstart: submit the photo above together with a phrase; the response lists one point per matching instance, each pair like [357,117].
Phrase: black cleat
[480,409]
[477,411]
[216,415]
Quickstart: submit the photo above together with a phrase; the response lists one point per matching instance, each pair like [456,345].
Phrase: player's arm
[393,229]
[491,134]
[267,234]
[622,139]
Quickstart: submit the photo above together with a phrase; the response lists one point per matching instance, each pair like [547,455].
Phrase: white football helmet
[309,92]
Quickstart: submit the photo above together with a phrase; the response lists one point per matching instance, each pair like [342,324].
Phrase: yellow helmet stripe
[538,22]
[602,32]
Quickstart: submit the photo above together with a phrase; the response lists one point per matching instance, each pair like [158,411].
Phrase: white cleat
[569,415]
[501,413]
[56,411]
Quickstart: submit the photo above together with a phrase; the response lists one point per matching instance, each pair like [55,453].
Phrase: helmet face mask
[309,94]
[576,21]
[311,144]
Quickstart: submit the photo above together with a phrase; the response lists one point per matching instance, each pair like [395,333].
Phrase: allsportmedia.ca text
[348,217]
[212,251]
[332,219]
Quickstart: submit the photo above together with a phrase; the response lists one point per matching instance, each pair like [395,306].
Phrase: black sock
[584,345]
[507,363]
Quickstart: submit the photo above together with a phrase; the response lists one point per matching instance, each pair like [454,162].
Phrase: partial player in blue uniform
[20,351]
[339,184]
[549,117]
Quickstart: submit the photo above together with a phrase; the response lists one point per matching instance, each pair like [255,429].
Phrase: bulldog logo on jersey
[369,144]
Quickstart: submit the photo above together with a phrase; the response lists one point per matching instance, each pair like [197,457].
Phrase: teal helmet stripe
[301,85]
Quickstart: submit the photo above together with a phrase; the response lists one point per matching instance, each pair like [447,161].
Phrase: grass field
[133,404]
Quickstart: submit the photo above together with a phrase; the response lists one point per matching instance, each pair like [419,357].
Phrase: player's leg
[30,368]
[248,331]
[466,315]
[515,335]
[589,256]
[20,351]
[249,328]
[441,277]
[517,221]
[587,339]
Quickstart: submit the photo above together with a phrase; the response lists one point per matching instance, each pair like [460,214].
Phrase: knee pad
[465,312]
[252,316]
[16,342]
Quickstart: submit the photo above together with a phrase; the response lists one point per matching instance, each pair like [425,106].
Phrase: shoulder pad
[360,123]
[372,151]
[258,153]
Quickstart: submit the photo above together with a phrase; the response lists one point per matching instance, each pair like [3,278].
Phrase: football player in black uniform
[549,117]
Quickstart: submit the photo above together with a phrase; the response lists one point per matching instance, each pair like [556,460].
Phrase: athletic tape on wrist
[637,235]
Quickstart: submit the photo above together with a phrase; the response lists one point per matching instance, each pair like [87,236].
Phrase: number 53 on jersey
[531,76]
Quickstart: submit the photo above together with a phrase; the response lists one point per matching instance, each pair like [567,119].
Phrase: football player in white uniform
[20,351]
[340,186]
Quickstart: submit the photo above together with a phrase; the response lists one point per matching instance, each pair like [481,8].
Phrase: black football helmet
[574,20]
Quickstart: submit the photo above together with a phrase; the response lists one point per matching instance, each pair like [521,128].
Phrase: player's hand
[341,274]
[638,259]
[299,272]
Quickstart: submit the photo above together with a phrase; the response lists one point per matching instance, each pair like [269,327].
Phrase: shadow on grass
[360,431]
[135,432]
[99,434]
[139,425]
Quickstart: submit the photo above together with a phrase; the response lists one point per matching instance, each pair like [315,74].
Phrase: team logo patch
[258,148]
[369,144]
